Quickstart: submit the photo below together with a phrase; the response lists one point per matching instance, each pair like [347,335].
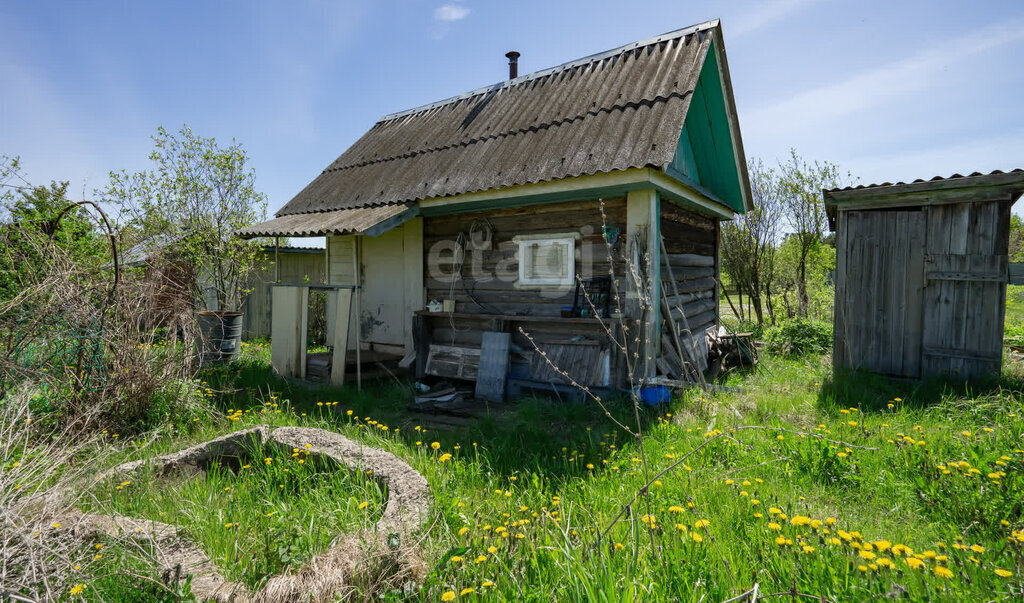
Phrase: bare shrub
[87,336]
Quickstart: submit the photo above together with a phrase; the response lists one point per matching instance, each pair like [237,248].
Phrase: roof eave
[734,124]
[595,186]
[954,189]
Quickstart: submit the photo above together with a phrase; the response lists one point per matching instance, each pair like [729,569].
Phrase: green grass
[525,506]
[255,516]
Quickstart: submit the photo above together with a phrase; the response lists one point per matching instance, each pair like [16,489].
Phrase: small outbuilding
[921,274]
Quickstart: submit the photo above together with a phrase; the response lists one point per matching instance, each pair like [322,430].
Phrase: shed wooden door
[879,283]
[965,272]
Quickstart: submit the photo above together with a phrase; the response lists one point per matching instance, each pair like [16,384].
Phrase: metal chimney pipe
[513,64]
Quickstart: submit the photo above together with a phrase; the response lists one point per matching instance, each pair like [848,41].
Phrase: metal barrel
[220,336]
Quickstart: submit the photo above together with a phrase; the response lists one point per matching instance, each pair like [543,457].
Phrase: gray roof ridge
[632,104]
[671,35]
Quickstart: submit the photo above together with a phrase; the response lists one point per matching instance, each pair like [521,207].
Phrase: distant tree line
[782,250]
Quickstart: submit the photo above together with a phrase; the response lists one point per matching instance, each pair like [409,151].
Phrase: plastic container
[653,395]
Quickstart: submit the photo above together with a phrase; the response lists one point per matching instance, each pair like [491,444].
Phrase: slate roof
[973,176]
[616,110]
[351,220]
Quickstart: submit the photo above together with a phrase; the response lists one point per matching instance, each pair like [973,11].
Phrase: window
[547,259]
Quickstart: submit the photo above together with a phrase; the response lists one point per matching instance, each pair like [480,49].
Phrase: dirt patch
[365,560]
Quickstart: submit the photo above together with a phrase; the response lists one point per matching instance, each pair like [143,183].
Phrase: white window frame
[567,239]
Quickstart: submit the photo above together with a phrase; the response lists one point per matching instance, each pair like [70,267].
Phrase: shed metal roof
[953,187]
[925,183]
[620,109]
[977,187]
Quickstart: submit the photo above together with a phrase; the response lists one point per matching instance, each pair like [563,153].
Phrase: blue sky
[889,90]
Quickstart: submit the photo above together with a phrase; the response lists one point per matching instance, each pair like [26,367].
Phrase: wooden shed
[921,274]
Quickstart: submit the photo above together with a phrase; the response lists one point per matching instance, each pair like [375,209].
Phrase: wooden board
[494,361]
[288,331]
[879,280]
[342,303]
[966,266]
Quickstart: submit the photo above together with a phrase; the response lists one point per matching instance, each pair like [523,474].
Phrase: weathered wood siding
[691,241]
[965,292]
[342,272]
[488,276]
[879,284]
[294,267]
[390,271]
[921,291]
[488,285]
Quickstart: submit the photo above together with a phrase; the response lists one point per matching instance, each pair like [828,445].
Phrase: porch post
[643,299]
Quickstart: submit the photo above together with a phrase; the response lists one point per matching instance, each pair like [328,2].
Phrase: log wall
[690,269]
[489,272]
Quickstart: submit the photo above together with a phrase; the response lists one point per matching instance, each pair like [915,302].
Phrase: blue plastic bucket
[653,395]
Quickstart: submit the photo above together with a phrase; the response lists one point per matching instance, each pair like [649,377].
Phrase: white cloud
[810,110]
[450,12]
[763,15]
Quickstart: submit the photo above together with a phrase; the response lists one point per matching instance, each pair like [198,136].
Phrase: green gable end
[705,154]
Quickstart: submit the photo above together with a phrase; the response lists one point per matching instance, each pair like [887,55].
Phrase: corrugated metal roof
[616,110]
[357,220]
[922,180]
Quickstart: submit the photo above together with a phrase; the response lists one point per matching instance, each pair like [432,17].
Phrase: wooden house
[496,210]
[921,274]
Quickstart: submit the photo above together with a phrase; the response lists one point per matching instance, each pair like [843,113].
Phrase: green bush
[1013,332]
[799,336]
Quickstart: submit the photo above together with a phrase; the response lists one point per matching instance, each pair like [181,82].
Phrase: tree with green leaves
[194,199]
[29,216]
[749,240]
[801,183]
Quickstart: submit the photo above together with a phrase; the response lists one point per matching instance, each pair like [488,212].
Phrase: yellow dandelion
[467,591]
[1003,573]
[448,595]
[364,504]
[435,445]
[77,589]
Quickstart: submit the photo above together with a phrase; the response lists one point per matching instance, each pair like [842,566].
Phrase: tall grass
[255,516]
[848,489]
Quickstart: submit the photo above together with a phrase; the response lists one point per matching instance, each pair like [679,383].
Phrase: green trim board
[706,153]
[612,184]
